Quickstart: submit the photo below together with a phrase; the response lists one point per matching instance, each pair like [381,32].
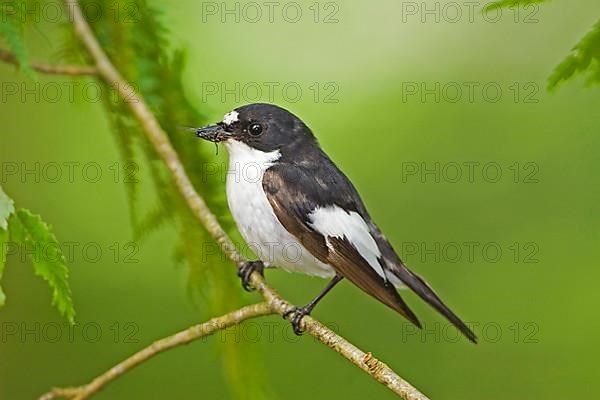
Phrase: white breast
[255,218]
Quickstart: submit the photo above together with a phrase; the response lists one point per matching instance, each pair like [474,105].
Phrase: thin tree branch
[184,337]
[74,70]
[159,139]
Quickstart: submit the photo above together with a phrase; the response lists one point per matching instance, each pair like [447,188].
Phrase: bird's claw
[296,320]
[246,269]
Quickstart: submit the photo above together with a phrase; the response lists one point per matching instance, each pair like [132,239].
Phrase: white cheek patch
[231,117]
[333,221]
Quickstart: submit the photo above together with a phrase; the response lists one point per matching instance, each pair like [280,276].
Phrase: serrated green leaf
[30,231]
[7,207]
[3,243]
[584,58]
[11,30]
[511,3]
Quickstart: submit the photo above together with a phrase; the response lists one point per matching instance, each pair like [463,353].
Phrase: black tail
[420,287]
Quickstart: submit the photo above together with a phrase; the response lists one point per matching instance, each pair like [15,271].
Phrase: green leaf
[584,57]
[7,207]
[3,243]
[30,231]
[511,3]
[11,29]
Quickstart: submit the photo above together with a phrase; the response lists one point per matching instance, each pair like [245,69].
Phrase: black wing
[292,202]
[306,187]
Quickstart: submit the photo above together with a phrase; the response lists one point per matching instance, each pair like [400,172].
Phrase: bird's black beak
[214,133]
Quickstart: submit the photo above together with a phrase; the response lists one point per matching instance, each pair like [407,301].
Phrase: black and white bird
[298,211]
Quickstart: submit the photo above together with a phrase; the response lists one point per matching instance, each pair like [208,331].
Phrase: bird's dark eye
[255,129]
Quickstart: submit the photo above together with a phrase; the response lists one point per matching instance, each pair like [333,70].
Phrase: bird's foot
[246,269]
[298,314]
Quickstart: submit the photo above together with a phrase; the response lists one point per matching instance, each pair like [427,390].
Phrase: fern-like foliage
[12,26]
[7,208]
[31,232]
[584,59]
[138,44]
[27,230]
[4,244]
[512,3]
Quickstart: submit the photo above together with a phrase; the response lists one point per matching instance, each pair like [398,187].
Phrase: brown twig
[160,141]
[74,70]
[184,337]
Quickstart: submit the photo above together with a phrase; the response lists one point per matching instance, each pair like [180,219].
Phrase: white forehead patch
[231,117]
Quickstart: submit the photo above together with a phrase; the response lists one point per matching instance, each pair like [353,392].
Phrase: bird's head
[264,127]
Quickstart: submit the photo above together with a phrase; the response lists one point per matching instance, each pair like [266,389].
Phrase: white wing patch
[333,221]
[231,117]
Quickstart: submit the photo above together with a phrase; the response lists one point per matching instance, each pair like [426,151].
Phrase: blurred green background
[534,306]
